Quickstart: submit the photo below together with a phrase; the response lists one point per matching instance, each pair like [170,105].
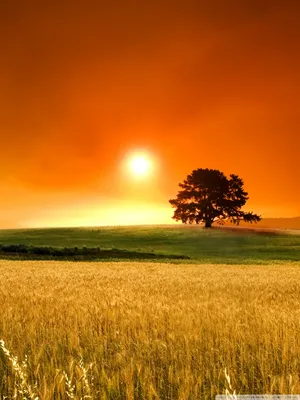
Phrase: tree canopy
[208,196]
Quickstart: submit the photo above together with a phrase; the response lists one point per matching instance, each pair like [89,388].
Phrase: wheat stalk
[23,387]
[230,392]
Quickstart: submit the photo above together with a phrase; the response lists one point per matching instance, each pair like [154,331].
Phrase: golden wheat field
[147,331]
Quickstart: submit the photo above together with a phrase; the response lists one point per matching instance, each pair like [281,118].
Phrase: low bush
[89,253]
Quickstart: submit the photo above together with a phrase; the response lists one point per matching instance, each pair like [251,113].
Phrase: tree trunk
[208,223]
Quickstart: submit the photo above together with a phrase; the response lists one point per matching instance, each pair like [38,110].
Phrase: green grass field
[216,245]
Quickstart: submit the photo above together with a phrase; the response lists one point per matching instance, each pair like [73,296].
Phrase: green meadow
[215,245]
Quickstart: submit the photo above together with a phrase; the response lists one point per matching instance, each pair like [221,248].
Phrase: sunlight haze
[86,87]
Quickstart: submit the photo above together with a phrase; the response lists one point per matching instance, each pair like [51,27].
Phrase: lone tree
[208,196]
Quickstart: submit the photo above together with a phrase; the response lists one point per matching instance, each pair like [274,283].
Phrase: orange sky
[196,83]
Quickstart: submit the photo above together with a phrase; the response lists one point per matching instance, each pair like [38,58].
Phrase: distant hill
[280,223]
[284,223]
[276,223]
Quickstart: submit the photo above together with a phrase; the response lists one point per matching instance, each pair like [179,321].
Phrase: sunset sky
[192,84]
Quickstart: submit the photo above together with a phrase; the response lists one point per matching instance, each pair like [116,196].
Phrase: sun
[140,164]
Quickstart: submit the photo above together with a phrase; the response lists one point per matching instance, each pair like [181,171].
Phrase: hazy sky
[195,83]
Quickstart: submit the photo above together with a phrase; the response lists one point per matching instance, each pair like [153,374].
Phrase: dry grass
[147,331]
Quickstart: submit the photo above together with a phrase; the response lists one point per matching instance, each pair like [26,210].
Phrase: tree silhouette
[208,196]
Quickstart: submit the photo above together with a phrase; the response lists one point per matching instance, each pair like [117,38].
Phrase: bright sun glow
[140,164]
